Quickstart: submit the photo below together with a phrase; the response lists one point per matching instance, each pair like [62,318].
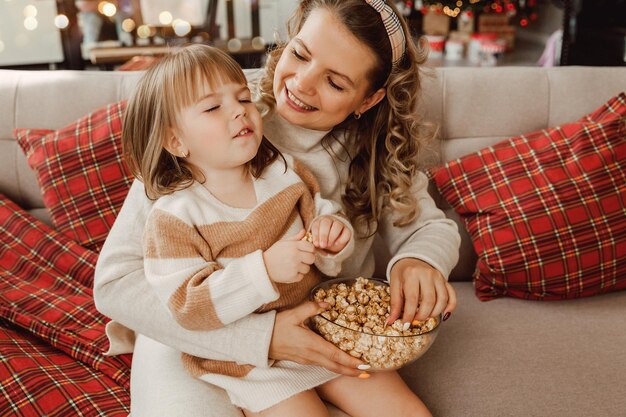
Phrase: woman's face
[321,77]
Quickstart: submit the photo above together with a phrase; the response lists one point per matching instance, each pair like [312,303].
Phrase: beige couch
[505,357]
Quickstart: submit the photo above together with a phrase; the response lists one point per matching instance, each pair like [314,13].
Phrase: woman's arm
[425,251]
[431,237]
[122,293]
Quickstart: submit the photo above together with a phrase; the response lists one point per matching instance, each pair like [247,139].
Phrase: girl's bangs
[188,85]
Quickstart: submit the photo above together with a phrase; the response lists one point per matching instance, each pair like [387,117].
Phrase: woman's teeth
[298,102]
[243,132]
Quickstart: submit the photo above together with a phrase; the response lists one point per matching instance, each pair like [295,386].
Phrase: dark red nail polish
[446,316]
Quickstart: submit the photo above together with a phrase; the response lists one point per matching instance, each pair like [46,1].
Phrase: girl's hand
[293,341]
[419,291]
[330,234]
[288,260]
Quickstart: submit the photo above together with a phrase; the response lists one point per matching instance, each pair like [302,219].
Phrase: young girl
[341,96]
[225,237]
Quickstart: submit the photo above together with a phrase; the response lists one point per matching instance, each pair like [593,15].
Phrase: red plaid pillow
[38,380]
[81,172]
[547,211]
[53,354]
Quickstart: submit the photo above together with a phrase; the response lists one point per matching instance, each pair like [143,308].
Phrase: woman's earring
[185,154]
[357,115]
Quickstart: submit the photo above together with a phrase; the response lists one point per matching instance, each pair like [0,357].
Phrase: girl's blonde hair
[386,143]
[153,111]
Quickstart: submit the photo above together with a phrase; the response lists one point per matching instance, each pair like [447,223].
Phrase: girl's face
[222,130]
[321,77]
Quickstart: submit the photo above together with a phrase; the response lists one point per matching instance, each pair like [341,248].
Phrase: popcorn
[356,323]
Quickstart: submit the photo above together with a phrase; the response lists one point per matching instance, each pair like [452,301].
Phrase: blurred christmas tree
[520,11]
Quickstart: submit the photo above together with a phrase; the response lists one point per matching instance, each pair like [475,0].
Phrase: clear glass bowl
[382,352]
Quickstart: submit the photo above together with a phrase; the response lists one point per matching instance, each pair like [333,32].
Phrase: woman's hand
[293,341]
[419,291]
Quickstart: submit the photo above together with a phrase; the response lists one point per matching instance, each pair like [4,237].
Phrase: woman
[340,97]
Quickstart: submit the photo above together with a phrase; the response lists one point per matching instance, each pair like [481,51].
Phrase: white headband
[393,27]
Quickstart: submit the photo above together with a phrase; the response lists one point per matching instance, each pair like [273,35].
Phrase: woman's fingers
[293,341]
[397,301]
[411,300]
[452,300]
[441,299]
[297,315]
[427,301]
[419,291]
[328,356]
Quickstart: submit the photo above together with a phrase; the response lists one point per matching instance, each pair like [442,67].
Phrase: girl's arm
[200,293]
[122,292]
[328,263]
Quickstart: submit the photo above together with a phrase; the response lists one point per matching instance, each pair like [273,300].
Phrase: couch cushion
[512,358]
[81,173]
[546,210]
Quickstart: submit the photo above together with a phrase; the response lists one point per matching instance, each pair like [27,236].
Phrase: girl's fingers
[344,238]
[303,268]
[305,246]
[324,230]
[341,241]
[298,236]
[307,257]
[315,232]
[336,228]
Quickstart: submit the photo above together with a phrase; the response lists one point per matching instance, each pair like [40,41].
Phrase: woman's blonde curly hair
[386,143]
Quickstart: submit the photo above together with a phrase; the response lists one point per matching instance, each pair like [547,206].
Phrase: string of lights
[522,11]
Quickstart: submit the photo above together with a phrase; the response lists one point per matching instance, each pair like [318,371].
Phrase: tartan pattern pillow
[546,211]
[81,172]
[51,328]
[39,380]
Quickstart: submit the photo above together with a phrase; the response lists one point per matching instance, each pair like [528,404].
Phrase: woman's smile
[296,103]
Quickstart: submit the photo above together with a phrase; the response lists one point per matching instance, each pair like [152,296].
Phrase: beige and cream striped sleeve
[200,293]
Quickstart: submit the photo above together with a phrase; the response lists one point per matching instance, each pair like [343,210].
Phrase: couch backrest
[475,107]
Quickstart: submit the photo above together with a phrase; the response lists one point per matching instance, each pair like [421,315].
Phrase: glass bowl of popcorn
[355,322]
